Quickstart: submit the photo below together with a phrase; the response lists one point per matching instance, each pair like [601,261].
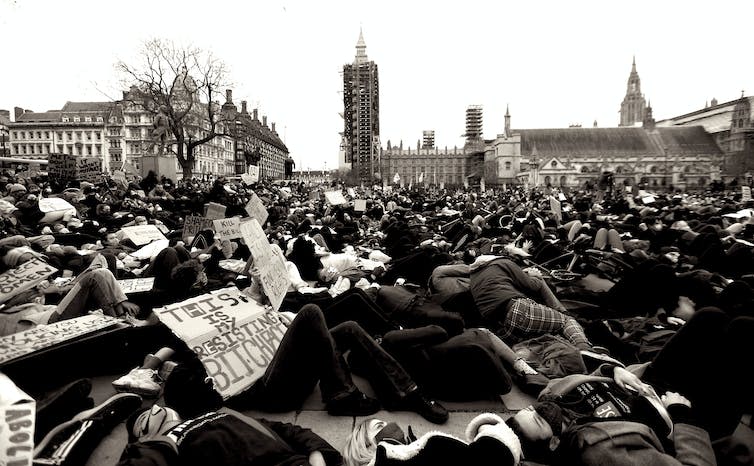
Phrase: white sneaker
[143,382]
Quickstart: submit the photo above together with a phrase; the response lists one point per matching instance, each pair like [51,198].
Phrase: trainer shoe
[61,405]
[353,404]
[72,442]
[141,381]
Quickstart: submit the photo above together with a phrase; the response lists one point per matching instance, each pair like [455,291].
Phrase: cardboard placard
[61,167]
[233,336]
[24,277]
[17,419]
[253,174]
[649,199]
[44,336]
[745,193]
[555,208]
[89,169]
[272,270]
[194,224]
[136,285]
[142,234]
[335,197]
[351,192]
[256,209]
[561,197]
[227,228]
[54,204]
[213,210]
[360,205]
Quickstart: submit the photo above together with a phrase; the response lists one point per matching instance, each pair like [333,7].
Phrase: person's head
[361,445]
[140,220]
[110,239]
[189,274]
[538,427]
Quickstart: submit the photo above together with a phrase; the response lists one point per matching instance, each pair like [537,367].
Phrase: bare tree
[178,86]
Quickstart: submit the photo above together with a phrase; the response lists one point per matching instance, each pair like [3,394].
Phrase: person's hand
[676,320]
[674,398]
[126,308]
[629,381]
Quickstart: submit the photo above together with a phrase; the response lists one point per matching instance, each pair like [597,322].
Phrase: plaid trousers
[527,319]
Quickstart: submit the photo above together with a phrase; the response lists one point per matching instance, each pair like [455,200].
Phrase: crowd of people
[629,316]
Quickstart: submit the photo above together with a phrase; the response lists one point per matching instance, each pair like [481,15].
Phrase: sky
[554,63]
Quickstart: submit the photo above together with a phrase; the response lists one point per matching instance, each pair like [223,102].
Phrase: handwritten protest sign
[227,228]
[143,234]
[253,173]
[61,166]
[214,211]
[53,204]
[335,197]
[745,193]
[271,266]
[44,336]
[233,336]
[194,224]
[555,208]
[89,169]
[360,205]
[17,418]
[256,209]
[136,285]
[24,277]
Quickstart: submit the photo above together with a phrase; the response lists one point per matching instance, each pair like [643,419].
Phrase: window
[65,119]
[88,135]
[47,135]
[31,134]
[60,135]
[88,119]
[15,135]
[88,150]
[76,119]
[99,119]
[507,165]
[39,135]
[554,164]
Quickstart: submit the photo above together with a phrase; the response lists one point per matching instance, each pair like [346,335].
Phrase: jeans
[95,289]
[310,353]
[709,361]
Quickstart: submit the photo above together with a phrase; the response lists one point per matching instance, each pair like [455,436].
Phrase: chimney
[229,96]
[273,126]
[256,114]
[243,107]
[264,120]
[17,112]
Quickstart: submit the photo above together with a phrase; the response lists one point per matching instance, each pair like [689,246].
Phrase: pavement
[334,429]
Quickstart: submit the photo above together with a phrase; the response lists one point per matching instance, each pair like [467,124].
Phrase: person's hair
[302,254]
[359,449]
[189,391]
[186,273]
[537,451]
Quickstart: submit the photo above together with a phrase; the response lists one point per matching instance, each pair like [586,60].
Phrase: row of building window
[77,119]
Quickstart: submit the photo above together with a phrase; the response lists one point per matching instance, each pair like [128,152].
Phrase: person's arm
[693,446]
[305,441]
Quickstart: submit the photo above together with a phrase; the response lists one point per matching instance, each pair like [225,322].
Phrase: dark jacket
[227,437]
[495,283]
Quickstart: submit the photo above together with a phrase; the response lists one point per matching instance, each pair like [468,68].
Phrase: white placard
[233,336]
[136,285]
[54,204]
[17,419]
[214,210]
[256,209]
[194,224]
[227,228]
[745,193]
[360,205]
[272,270]
[335,197]
[143,234]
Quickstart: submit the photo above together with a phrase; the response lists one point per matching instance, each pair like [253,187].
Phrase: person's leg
[613,239]
[429,313]
[95,289]
[548,297]
[356,305]
[527,319]
[600,239]
[573,227]
[389,380]
[306,354]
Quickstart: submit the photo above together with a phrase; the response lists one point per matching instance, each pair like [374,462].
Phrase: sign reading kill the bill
[227,228]
[272,270]
[24,277]
[233,336]
[256,209]
[44,336]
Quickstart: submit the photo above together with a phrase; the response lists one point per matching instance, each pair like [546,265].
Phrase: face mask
[552,413]
[391,431]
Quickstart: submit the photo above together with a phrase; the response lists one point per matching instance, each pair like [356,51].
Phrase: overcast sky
[554,62]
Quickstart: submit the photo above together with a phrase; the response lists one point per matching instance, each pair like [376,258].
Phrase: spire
[507,111]
[361,48]
[507,122]
[633,65]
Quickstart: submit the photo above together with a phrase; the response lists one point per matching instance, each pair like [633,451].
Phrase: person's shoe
[143,382]
[430,410]
[72,442]
[61,405]
[353,404]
